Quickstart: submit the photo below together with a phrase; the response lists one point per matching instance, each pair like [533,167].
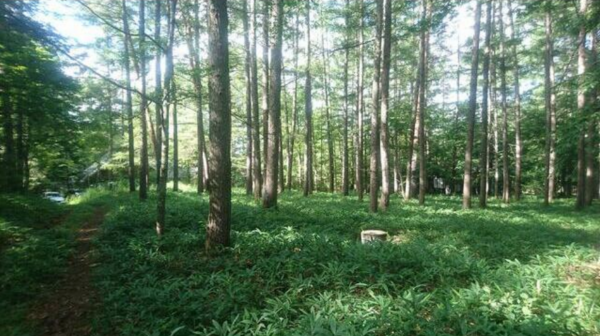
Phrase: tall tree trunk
[360,106]
[385,102]
[256,160]
[274,120]
[248,79]
[483,158]
[143,104]
[581,145]
[158,90]
[265,92]
[376,95]
[163,121]
[423,104]
[175,144]
[331,168]
[194,50]
[219,217]
[472,109]
[550,102]
[411,165]
[309,179]
[281,173]
[292,137]
[345,155]
[494,114]
[505,146]
[129,103]
[518,141]
[456,115]
[591,187]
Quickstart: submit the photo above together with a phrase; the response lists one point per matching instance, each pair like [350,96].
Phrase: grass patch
[300,270]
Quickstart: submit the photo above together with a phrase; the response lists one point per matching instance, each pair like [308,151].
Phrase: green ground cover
[520,269]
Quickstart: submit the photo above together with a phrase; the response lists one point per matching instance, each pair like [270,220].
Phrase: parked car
[54,196]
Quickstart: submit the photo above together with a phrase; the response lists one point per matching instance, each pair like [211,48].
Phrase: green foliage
[300,270]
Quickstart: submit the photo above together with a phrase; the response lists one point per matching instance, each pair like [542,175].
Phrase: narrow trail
[67,309]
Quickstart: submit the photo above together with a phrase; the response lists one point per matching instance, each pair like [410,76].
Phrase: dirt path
[66,311]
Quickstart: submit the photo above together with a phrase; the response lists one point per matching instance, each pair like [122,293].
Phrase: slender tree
[550,104]
[456,116]
[158,87]
[193,43]
[129,99]
[505,171]
[385,104]
[219,217]
[426,17]
[360,104]
[331,167]
[256,160]
[591,186]
[472,108]
[483,159]
[163,121]
[581,104]
[248,79]
[376,95]
[274,120]
[143,104]
[292,137]
[518,137]
[308,170]
[265,92]
[345,149]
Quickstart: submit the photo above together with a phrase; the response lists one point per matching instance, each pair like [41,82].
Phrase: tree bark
[292,137]
[194,49]
[309,178]
[345,154]
[248,97]
[550,104]
[158,90]
[518,138]
[472,109]
[505,168]
[265,92]
[163,121]
[423,105]
[128,103]
[385,102]
[256,159]
[591,187]
[581,145]
[331,168]
[359,106]
[143,192]
[219,217]
[274,120]
[175,144]
[483,158]
[456,115]
[376,95]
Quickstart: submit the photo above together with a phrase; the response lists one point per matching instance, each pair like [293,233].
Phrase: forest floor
[67,310]
[520,269]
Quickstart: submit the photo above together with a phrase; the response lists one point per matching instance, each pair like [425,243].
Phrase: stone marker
[367,236]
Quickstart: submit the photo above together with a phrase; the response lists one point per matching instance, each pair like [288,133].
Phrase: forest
[299,167]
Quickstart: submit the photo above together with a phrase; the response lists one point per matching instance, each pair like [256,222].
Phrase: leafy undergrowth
[36,240]
[300,270]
